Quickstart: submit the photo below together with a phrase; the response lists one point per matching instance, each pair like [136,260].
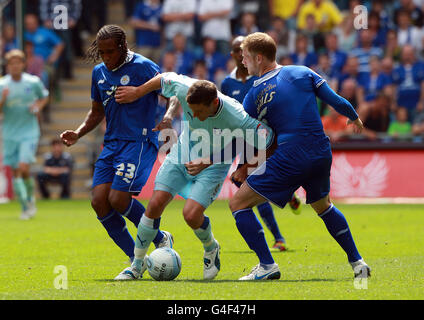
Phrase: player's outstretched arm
[92,120]
[129,94]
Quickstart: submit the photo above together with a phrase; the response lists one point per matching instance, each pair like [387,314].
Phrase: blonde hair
[260,43]
[15,53]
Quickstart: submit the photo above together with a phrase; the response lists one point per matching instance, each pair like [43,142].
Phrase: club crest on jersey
[125,79]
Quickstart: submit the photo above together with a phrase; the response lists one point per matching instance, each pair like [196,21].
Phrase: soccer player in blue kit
[236,85]
[285,99]
[130,145]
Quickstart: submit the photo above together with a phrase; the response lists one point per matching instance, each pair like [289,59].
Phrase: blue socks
[267,215]
[134,213]
[337,226]
[251,230]
[116,227]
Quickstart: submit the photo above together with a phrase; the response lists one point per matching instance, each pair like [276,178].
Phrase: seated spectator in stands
[169,62]
[200,71]
[286,10]
[375,115]
[9,40]
[380,7]
[409,78]
[57,169]
[373,82]
[315,38]
[214,17]
[335,125]
[301,56]
[283,36]
[247,24]
[413,11]
[346,34]
[337,57]
[408,34]
[418,125]
[326,14]
[147,25]
[349,92]
[213,58]
[392,48]
[178,17]
[34,63]
[400,126]
[350,71]
[366,50]
[323,68]
[377,31]
[285,61]
[184,57]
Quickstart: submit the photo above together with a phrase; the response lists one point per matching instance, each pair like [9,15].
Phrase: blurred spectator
[178,17]
[414,12]
[285,61]
[335,125]
[184,57]
[48,15]
[9,40]
[169,62]
[392,48]
[213,58]
[200,71]
[337,57]
[301,56]
[346,34]
[409,78]
[407,33]
[385,19]
[260,8]
[87,21]
[350,71]
[146,22]
[323,68]
[34,63]
[400,126]
[377,31]
[215,19]
[247,24]
[373,82]
[57,169]
[418,125]
[315,37]
[387,66]
[349,92]
[129,6]
[366,50]
[375,115]
[326,14]
[283,37]
[286,10]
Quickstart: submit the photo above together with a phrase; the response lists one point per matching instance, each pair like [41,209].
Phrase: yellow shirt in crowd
[327,15]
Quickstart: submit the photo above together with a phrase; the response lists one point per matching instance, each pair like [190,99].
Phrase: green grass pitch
[67,233]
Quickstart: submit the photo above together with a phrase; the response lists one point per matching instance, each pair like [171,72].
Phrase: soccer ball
[164,264]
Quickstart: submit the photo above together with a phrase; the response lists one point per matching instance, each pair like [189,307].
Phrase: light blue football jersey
[18,122]
[230,121]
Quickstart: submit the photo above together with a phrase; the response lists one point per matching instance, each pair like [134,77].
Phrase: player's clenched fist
[69,137]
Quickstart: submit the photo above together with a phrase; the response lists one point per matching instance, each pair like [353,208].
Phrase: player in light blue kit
[285,99]
[23,96]
[208,114]
[130,145]
[236,85]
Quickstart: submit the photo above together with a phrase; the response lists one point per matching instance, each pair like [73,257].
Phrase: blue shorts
[303,163]
[125,164]
[15,152]
[203,188]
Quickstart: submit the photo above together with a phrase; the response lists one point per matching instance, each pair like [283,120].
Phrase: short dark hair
[55,141]
[202,92]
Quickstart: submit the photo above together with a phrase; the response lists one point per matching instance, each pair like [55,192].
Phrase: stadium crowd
[379,69]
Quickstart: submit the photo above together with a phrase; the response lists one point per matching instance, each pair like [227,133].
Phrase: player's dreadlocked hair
[109,31]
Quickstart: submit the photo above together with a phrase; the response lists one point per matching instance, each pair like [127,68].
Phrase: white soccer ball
[164,264]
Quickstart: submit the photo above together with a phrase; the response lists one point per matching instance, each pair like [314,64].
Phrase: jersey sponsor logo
[125,79]
[235,92]
[101,81]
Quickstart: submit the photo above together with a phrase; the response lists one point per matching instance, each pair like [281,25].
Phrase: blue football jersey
[235,88]
[285,100]
[129,121]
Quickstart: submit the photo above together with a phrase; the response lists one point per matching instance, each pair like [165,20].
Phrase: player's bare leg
[251,229]
[193,213]
[338,227]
